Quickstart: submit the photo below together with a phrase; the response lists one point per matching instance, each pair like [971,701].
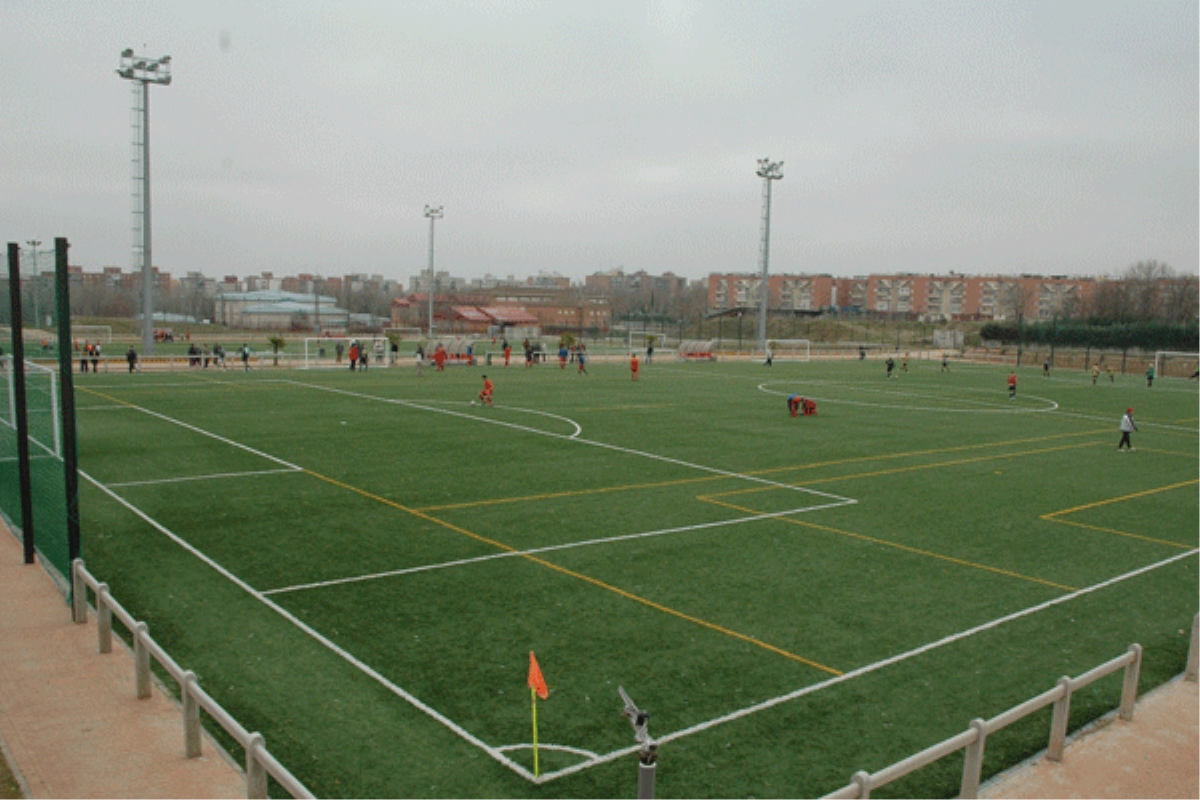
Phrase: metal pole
[18,382]
[147,272]
[70,453]
[766,257]
[769,171]
[37,316]
[434,213]
[146,71]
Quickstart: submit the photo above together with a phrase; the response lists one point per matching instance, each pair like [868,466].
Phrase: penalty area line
[553,548]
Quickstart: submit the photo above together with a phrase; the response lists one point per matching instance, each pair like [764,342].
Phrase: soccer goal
[1172,364]
[334,351]
[92,333]
[41,404]
[789,349]
[640,341]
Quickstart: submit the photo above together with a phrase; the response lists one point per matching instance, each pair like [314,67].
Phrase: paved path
[69,716]
[71,722]
[1156,754]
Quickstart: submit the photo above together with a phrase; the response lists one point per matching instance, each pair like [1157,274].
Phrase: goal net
[334,351]
[789,349]
[41,406]
[643,340]
[1172,364]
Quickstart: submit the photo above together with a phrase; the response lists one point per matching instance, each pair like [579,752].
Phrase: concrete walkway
[70,719]
[1156,754]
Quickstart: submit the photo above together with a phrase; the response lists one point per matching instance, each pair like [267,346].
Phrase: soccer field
[358,564]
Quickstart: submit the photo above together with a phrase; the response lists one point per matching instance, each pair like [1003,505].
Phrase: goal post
[641,340]
[334,351]
[789,349]
[1175,364]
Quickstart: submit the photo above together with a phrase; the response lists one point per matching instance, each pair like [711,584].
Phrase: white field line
[211,435]
[540,550]
[365,668]
[592,443]
[495,753]
[864,670]
[204,477]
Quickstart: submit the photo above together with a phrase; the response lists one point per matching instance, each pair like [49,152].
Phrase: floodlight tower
[769,171]
[434,213]
[33,246]
[143,71]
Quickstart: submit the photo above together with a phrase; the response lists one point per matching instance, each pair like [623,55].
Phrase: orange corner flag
[536,681]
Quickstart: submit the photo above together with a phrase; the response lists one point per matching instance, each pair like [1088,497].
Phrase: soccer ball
[474,403]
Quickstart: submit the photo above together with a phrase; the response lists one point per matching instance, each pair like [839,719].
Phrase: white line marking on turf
[540,550]
[421,405]
[365,668]
[211,435]
[784,698]
[204,477]
[560,747]
[590,442]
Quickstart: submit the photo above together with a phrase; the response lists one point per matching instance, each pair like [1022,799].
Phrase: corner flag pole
[537,688]
[533,701]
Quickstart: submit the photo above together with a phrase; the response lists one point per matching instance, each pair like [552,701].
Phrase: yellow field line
[904,547]
[579,576]
[1121,499]
[935,451]
[1049,518]
[914,468]
[572,493]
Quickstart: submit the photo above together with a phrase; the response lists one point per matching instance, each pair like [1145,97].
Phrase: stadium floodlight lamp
[769,171]
[143,69]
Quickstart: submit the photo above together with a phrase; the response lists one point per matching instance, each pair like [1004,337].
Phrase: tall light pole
[33,246]
[434,213]
[769,171]
[143,71]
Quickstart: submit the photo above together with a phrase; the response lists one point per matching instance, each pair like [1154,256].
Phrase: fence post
[1193,669]
[1058,723]
[973,760]
[103,619]
[191,715]
[256,773]
[141,659]
[78,592]
[863,780]
[1129,691]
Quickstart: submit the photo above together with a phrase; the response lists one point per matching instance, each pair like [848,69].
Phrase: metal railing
[974,739]
[259,762]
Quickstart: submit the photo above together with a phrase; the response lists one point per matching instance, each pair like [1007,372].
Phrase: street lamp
[33,246]
[769,171]
[433,213]
[144,71]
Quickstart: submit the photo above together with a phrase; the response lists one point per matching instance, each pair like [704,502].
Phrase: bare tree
[1144,283]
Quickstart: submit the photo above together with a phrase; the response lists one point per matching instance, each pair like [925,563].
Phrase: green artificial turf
[398,552]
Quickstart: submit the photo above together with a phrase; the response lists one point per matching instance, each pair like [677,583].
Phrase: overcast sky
[1053,136]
